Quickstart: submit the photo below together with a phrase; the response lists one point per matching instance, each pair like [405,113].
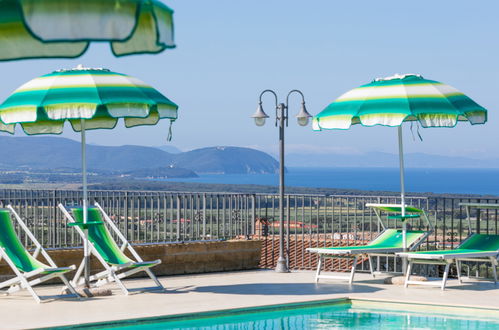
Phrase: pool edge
[411,306]
[212,313]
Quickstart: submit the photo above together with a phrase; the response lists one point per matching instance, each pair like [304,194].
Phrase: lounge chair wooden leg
[446,274]
[408,274]
[78,273]
[120,284]
[154,278]
[69,286]
[371,266]
[458,269]
[34,295]
[318,272]
[352,272]
[23,282]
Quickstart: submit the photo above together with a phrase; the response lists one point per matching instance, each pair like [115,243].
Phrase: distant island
[227,160]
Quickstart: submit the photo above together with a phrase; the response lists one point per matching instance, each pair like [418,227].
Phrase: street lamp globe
[303,116]
[259,121]
[259,116]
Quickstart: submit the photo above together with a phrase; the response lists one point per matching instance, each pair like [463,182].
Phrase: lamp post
[281,120]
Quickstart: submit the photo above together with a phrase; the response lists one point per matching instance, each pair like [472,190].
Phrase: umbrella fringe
[417,132]
[170,133]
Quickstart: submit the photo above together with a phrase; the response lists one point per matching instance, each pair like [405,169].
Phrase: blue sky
[229,51]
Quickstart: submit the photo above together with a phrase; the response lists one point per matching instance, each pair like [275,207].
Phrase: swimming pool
[337,314]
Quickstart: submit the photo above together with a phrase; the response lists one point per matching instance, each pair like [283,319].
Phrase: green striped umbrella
[64,28]
[88,99]
[393,100]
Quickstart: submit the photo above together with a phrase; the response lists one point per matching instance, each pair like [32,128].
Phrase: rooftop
[219,291]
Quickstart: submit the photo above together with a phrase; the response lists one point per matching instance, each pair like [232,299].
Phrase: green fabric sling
[101,238]
[13,246]
[474,244]
[104,243]
[389,239]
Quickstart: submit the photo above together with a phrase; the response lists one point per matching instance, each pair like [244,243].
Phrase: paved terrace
[217,291]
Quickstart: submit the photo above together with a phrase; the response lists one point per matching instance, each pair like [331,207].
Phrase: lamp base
[282,266]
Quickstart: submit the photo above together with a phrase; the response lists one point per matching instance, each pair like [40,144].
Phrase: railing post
[288,214]
[253,215]
[178,218]
[51,219]
[478,221]
[204,216]
[125,208]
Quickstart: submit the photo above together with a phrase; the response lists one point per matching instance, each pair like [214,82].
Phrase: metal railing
[143,217]
[311,220]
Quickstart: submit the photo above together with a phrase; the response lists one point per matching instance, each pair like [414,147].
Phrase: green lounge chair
[477,247]
[388,242]
[102,245]
[29,271]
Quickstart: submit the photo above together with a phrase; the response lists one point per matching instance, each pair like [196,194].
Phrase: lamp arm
[276,102]
[269,91]
[295,91]
[287,101]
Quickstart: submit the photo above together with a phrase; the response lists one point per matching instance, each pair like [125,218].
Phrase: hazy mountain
[227,160]
[381,159]
[57,153]
[170,149]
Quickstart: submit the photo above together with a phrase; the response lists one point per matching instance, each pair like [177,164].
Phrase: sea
[419,180]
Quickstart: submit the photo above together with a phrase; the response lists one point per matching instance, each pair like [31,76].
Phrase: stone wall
[177,258]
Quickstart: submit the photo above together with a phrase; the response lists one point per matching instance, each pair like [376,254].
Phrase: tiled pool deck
[217,291]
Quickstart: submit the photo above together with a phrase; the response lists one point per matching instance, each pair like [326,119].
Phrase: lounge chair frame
[457,258]
[325,253]
[113,273]
[23,280]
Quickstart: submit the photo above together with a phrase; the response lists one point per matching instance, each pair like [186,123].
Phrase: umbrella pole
[85,201]
[402,196]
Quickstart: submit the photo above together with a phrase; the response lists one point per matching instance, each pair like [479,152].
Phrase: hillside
[57,154]
[170,149]
[227,160]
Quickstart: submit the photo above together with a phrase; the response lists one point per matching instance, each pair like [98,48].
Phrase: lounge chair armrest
[403,217]
[58,269]
[84,225]
[394,208]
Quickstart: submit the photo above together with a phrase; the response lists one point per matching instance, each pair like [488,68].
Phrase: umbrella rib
[409,106]
[98,94]
[46,92]
[446,100]
[150,102]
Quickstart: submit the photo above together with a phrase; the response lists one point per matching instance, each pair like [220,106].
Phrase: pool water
[323,316]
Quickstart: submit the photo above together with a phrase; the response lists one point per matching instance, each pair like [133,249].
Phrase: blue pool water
[328,316]
[459,181]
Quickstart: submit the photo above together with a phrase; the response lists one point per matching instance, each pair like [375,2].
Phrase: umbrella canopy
[88,99]
[99,96]
[393,100]
[64,28]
